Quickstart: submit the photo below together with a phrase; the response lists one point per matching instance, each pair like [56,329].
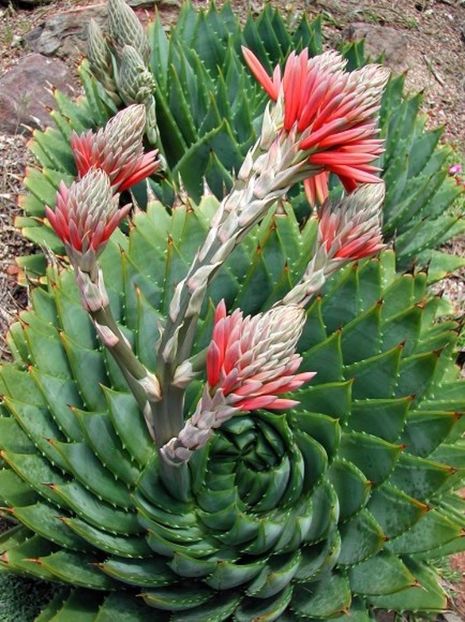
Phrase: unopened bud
[126,29]
[151,386]
[107,336]
[135,81]
[97,49]
[184,375]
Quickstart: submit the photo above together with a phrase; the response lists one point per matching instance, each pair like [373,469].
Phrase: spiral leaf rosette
[324,511]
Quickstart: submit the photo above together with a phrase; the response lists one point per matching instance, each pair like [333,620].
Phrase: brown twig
[433,71]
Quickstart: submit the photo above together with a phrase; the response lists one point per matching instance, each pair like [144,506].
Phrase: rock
[65,34]
[379,40]
[24,92]
[462,33]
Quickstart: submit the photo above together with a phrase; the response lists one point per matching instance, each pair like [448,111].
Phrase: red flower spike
[117,149]
[352,229]
[334,113]
[85,216]
[252,360]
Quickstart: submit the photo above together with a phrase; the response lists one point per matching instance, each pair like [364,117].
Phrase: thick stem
[168,413]
[167,417]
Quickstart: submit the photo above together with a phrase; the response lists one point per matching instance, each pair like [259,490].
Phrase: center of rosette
[258,454]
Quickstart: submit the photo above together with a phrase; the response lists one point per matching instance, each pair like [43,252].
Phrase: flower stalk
[271,167]
[85,216]
[143,384]
[322,119]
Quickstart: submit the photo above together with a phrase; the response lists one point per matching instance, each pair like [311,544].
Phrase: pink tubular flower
[252,360]
[352,229]
[333,112]
[85,216]
[117,149]
[455,169]
[316,188]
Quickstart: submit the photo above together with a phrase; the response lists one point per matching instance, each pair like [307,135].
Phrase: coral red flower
[316,188]
[352,229]
[334,113]
[117,149]
[252,360]
[85,216]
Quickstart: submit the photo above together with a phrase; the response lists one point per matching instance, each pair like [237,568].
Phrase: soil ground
[434,55]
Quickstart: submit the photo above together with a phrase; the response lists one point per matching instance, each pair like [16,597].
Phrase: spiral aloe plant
[208,112]
[226,416]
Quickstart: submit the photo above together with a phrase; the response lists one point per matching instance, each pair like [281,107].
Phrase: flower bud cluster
[347,231]
[85,216]
[109,161]
[120,61]
[332,111]
[117,149]
[351,229]
[125,28]
[135,80]
[251,362]
[99,55]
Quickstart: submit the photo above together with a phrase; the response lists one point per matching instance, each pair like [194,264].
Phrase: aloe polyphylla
[225,416]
